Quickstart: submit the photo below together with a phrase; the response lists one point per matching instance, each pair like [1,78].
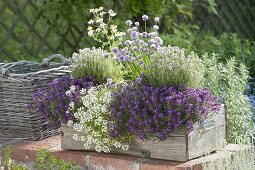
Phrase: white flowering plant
[101,29]
[90,62]
[132,49]
[107,115]
[93,116]
[173,67]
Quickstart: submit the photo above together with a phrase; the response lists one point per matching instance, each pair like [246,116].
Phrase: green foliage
[46,161]
[43,161]
[172,68]
[229,82]
[242,49]
[228,45]
[9,164]
[179,41]
[91,62]
[172,12]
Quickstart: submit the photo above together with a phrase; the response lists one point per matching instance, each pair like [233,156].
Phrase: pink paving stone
[53,144]
[111,161]
[155,164]
[93,160]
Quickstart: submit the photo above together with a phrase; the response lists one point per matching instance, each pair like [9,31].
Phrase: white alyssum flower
[93,118]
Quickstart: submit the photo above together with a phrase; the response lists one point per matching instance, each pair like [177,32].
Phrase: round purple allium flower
[153,46]
[137,24]
[124,50]
[145,34]
[117,58]
[145,17]
[145,44]
[148,66]
[135,48]
[121,58]
[134,35]
[141,41]
[132,59]
[126,57]
[151,41]
[129,30]
[128,42]
[156,19]
[134,29]
[118,54]
[155,27]
[129,22]
[123,34]
[106,55]
[115,50]
[140,62]
[152,34]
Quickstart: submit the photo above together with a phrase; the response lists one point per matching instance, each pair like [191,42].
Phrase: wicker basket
[18,81]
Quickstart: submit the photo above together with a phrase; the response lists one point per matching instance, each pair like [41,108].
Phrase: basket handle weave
[6,71]
[46,61]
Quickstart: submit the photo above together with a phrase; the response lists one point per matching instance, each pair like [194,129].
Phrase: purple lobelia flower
[153,113]
[52,102]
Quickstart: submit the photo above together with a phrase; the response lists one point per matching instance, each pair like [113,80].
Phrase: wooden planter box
[179,146]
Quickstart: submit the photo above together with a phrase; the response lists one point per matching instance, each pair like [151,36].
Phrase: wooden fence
[233,16]
[23,36]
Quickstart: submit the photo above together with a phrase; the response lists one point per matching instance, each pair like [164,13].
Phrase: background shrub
[229,82]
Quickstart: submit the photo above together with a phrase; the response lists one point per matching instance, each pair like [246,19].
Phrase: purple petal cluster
[52,103]
[140,43]
[153,113]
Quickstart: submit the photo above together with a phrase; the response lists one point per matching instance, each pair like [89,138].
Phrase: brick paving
[93,160]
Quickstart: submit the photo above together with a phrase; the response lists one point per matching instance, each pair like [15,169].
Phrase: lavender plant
[154,112]
[172,67]
[52,103]
[90,62]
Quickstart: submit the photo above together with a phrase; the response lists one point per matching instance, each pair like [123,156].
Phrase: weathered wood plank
[179,146]
[208,138]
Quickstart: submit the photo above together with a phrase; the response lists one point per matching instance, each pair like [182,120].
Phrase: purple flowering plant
[135,52]
[52,102]
[149,113]
[132,49]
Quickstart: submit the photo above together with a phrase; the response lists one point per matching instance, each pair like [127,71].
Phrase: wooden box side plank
[178,147]
[210,138]
[171,148]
